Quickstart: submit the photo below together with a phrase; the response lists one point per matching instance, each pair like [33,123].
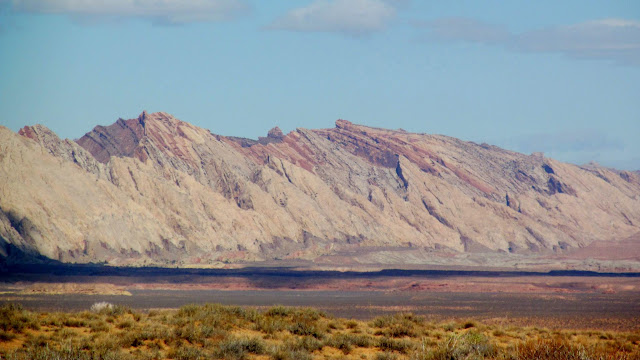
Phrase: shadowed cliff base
[90,270]
[65,278]
[562,299]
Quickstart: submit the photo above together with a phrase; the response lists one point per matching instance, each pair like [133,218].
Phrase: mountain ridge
[350,195]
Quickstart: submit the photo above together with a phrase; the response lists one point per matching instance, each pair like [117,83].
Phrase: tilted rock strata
[156,190]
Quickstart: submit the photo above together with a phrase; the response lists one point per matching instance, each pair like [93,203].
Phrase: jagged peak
[141,121]
[123,137]
[155,115]
[159,116]
[143,116]
[275,133]
[343,124]
[37,132]
[349,126]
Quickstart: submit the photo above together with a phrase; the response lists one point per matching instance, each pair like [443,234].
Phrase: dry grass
[226,332]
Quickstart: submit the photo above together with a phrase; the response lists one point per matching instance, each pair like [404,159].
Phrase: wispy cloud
[579,147]
[354,17]
[464,29]
[578,140]
[609,39]
[614,39]
[160,11]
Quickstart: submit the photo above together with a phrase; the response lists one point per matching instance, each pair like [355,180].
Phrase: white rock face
[156,190]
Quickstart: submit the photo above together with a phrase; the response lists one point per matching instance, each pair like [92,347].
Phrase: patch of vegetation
[398,325]
[470,345]
[234,348]
[215,331]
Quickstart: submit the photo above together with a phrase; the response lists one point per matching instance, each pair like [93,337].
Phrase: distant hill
[159,191]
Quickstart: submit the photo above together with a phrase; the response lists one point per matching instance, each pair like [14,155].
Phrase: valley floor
[573,300]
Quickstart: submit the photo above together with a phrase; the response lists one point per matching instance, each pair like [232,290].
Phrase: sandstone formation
[159,191]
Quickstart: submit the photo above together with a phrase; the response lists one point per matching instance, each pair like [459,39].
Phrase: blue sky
[558,77]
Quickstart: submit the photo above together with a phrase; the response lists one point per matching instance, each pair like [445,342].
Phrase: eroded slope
[157,190]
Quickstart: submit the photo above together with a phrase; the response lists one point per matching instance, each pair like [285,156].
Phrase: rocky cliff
[157,190]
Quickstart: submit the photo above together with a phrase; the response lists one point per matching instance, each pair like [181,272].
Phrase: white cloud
[578,146]
[602,39]
[169,11]
[464,29]
[609,39]
[579,140]
[354,17]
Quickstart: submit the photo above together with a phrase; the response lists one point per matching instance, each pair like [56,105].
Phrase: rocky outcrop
[157,190]
[119,139]
[65,150]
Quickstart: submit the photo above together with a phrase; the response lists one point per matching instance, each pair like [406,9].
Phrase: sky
[559,77]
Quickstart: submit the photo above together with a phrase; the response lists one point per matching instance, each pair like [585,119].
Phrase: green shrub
[65,352]
[398,325]
[188,311]
[309,343]
[498,333]
[290,354]
[73,322]
[552,349]
[189,352]
[386,356]
[344,342]
[269,325]
[209,332]
[6,336]
[36,341]
[341,342]
[307,314]
[234,348]
[304,328]
[279,310]
[133,339]
[98,326]
[390,344]
[15,317]
[125,324]
[470,345]
[449,327]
